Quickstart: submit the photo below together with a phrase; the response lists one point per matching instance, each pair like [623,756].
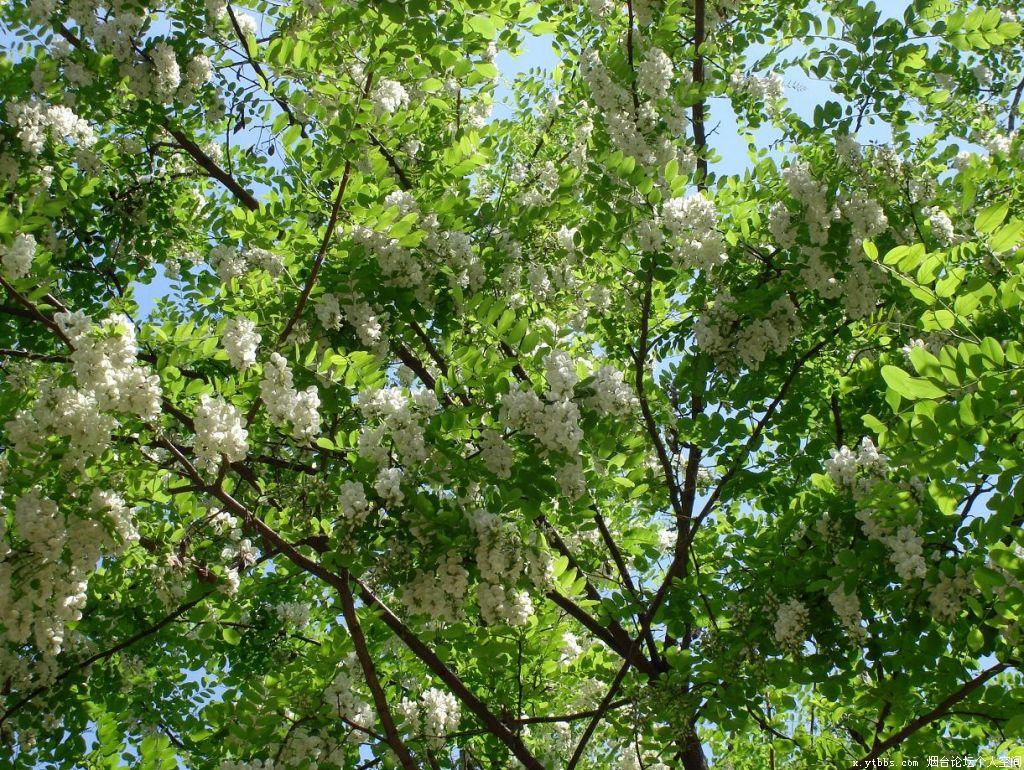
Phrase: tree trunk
[691,754]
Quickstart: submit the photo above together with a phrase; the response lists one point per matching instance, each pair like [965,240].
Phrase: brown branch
[403,179]
[837,418]
[640,363]
[627,579]
[210,167]
[441,670]
[413,642]
[602,709]
[697,113]
[32,356]
[380,700]
[122,645]
[932,716]
[263,75]
[630,56]
[320,254]
[1012,121]
[677,567]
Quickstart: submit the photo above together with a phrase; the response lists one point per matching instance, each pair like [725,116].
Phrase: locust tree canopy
[658,408]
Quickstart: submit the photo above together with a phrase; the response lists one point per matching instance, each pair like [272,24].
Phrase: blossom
[240,340]
[166,72]
[654,73]
[389,96]
[791,625]
[287,405]
[17,258]
[219,431]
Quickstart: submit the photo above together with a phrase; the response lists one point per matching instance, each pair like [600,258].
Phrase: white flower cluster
[240,340]
[17,258]
[109,506]
[847,607]
[455,248]
[555,425]
[555,422]
[228,262]
[389,97]
[654,73]
[947,595]
[692,221]
[631,760]
[905,545]
[791,625]
[219,431]
[293,613]
[43,586]
[561,374]
[857,471]
[360,315]
[341,695]
[503,560]
[767,90]
[247,764]
[813,195]
[33,120]
[942,226]
[718,332]
[285,404]
[397,263]
[571,649]
[982,74]
[636,133]
[352,502]
[866,217]
[439,593]
[434,715]
[906,553]
[496,453]
[165,72]
[998,144]
[388,486]
[109,379]
[401,417]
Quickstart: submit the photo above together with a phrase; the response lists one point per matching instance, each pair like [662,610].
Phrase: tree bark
[692,754]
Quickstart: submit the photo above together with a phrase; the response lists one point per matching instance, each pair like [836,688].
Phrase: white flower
[496,454]
[166,72]
[240,339]
[389,96]
[942,226]
[612,395]
[389,486]
[352,501]
[654,73]
[561,374]
[982,74]
[287,405]
[791,625]
[246,24]
[219,431]
[847,607]
[17,258]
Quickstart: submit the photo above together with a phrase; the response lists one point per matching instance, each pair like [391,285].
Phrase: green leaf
[1007,236]
[912,388]
[990,218]
[975,639]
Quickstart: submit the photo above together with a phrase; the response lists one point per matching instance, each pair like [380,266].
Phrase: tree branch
[932,716]
[380,700]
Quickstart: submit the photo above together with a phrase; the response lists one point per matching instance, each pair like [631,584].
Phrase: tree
[539,441]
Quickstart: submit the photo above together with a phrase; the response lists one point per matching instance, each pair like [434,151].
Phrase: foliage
[529,441]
